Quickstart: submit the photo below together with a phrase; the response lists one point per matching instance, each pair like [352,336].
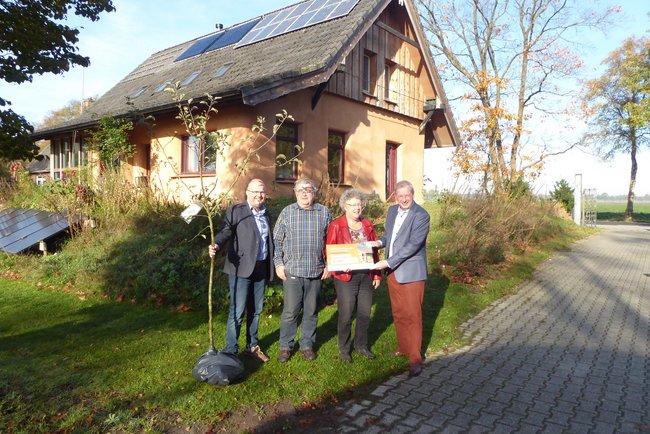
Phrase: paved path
[567,353]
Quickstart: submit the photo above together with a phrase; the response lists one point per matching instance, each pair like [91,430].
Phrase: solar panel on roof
[21,229]
[218,40]
[232,35]
[297,17]
[198,47]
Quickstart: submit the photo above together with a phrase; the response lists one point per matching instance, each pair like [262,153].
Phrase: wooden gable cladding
[392,49]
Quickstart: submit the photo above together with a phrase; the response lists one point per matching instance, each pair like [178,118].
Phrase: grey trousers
[300,294]
[350,296]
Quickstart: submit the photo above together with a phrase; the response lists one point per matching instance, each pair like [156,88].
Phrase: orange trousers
[406,305]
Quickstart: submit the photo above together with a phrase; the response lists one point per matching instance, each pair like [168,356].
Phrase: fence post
[577,199]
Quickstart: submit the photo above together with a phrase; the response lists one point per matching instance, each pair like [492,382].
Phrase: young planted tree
[212,196]
[618,106]
[35,40]
[506,57]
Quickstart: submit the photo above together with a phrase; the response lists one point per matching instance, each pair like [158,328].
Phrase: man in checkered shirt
[299,237]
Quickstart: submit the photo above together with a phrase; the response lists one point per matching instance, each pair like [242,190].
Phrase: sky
[120,41]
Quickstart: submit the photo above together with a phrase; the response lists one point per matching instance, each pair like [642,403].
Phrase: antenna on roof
[219,26]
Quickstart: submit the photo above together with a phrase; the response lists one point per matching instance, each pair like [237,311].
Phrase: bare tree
[509,57]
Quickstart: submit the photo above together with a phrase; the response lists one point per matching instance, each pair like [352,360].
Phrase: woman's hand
[212,250]
[381,265]
[375,283]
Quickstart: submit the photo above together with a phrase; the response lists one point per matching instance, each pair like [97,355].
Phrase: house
[39,170]
[356,75]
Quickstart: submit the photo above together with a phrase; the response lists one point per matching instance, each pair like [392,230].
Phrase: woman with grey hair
[353,288]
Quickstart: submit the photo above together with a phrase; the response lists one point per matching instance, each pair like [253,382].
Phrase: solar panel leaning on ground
[297,17]
[218,40]
[21,229]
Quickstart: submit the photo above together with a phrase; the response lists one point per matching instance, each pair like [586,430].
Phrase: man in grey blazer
[405,241]
[247,232]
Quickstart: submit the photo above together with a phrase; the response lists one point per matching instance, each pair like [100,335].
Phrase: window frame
[294,141]
[343,136]
[369,73]
[201,163]
[389,68]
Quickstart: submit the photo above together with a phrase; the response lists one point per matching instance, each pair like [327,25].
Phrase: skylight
[138,92]
[221,71]
[162,86]
[190,78]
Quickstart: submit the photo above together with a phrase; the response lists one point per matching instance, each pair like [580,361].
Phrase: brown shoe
[284,355]
[257,352]
[308,354]
[415,369]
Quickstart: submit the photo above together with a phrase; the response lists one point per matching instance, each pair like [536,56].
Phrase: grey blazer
[241,234]
[409,261]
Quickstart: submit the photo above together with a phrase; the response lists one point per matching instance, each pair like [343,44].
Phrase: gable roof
[308,57]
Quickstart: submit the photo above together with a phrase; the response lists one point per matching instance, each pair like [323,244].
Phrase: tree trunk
[630,194]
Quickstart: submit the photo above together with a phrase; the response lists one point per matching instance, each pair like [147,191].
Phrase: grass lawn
[614,211]
[93,365]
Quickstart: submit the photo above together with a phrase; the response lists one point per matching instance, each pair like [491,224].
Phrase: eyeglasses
[304,190]
[255,193]
[355,204]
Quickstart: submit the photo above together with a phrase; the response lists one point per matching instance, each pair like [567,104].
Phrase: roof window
[163,86]
[190,78]
[221,71]
[138,92]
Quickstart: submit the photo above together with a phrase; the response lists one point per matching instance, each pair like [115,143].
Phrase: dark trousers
[406,305]
[350,296]
[246,297]
[300,293]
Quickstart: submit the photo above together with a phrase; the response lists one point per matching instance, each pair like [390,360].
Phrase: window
[368,73]
[286,144]
[138,92]
[198,158]
[221,71]
[335,156]
[163,86]
[76,147]
[388,73]
[190,78]
[66,154]
[56,149]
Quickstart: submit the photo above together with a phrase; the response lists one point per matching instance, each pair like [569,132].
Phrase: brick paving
[568,353]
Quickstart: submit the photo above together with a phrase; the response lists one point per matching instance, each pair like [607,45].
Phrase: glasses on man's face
[304,191]
[257,193]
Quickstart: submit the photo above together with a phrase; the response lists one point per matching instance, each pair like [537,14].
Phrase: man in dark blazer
[247,232]
[405,241]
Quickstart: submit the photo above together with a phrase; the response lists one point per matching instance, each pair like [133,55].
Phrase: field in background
[613,211]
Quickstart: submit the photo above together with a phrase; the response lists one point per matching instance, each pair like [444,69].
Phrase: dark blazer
[242,236]
[409,262]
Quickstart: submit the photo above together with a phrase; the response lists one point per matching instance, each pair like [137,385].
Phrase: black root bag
[218,368]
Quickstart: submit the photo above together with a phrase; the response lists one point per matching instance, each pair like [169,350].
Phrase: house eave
[226,97]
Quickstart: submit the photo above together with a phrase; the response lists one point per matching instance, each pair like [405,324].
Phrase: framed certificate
[341,257]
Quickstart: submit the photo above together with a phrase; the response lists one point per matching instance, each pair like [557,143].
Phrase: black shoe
[415,370]
[365,352]
[284,355]
[308,354]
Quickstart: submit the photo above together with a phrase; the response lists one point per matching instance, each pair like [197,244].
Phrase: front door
[391,168]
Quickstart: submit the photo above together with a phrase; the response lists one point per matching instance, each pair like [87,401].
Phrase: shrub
[484,229]
[563,194]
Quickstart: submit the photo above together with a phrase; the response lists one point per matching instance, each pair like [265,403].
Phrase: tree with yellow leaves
[618,106]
